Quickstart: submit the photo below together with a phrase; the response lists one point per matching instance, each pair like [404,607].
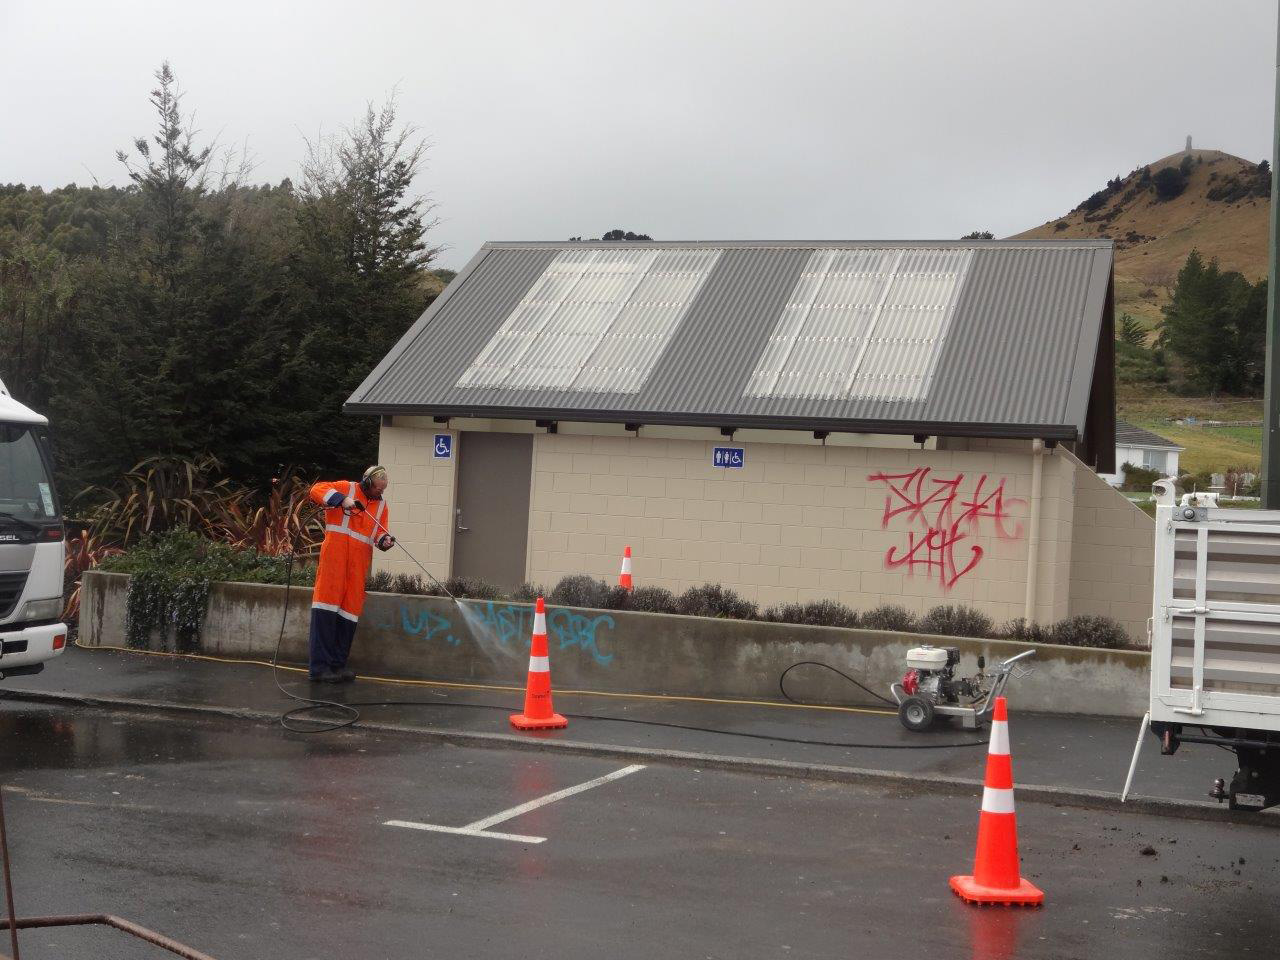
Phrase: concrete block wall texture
[424,638]
[420,495]
[800,522]
[1113,558]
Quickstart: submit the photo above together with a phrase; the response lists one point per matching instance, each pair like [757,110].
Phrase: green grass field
[1208,449]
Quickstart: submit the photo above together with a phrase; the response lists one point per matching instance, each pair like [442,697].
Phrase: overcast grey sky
[685,120]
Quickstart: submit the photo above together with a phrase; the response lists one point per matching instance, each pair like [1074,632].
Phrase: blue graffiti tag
[576,630]
[511,625]
[427,624]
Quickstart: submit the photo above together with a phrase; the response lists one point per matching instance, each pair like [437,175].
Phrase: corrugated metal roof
[1127,435]
[976,337]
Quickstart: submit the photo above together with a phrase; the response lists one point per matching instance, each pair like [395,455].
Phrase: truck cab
[32,547]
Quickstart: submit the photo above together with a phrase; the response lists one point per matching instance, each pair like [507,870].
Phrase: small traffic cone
[624,578]
[538,712]
[995,876]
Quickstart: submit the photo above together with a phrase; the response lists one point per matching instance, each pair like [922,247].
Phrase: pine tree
[1131,331]
[1216,324]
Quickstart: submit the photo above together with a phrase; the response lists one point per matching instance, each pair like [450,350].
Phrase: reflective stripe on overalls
[347,553]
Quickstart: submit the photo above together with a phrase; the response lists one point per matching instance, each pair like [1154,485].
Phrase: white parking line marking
[480,827]
[464,831]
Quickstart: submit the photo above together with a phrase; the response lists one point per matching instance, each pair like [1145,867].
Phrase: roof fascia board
[1050,431]
[425,320]
[1077,403]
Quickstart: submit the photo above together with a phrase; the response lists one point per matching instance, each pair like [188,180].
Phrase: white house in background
[1142,448]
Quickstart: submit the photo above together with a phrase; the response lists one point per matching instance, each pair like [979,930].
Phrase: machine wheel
[916,713]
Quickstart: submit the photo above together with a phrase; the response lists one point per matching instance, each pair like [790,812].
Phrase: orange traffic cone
[538,712]
[995,867]
[624,578]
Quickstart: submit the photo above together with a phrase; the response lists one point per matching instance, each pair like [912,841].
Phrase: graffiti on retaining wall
[510,626]
[941,522]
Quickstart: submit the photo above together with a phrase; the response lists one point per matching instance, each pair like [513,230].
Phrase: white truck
[32,546]
[1215,640]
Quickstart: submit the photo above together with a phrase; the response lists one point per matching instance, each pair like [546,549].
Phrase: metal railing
[14,923]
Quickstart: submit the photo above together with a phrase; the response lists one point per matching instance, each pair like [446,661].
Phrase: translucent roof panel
[864,322]
[596,320]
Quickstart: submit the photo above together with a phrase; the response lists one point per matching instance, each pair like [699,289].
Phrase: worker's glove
[386,542]
[348,504]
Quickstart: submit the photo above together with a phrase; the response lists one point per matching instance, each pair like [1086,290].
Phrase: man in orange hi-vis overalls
[350,535]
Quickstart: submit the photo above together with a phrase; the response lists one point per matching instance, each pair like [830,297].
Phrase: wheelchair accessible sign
[731,458]
[444,446]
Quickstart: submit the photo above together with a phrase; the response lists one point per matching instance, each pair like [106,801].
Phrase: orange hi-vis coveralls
[345,558]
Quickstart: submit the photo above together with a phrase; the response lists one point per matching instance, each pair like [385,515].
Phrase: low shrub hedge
[172,573]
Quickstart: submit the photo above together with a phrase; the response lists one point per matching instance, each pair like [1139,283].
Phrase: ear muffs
[366,481]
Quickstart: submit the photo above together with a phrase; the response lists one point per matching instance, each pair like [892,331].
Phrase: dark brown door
[491,519]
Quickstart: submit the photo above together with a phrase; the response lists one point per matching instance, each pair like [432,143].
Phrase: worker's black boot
[346,675]
[328,676]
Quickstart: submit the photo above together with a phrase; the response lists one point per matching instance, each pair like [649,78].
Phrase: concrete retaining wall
[428,638]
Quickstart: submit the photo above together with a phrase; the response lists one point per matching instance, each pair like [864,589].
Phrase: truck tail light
[59,641]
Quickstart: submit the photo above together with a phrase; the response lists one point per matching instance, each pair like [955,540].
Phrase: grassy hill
[1154,236]
[1222,210]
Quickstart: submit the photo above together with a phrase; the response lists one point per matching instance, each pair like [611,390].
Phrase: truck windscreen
[26,489]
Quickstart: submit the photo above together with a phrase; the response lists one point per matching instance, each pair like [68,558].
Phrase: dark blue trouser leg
[325,651]
[345,633]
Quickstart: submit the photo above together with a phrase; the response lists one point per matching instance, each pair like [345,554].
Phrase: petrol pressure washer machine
[930,689]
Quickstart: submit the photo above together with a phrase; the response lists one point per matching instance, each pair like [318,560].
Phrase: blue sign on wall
[444,446]
[731,458]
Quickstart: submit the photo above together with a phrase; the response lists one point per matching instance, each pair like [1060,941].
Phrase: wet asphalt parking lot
[247,842]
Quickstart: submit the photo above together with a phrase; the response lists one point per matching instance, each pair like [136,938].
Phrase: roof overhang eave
[1025,431]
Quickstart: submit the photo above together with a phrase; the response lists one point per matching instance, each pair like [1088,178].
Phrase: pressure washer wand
[434,579]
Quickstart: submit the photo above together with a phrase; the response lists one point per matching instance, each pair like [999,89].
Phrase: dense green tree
[1131,331]
[189,313]
[1215,323]
[356,285]
[616,234]
[1169,182]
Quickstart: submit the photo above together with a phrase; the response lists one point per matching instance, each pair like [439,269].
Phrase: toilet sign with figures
[731,458]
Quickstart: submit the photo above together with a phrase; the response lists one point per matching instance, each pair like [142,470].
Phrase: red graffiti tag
[947,521]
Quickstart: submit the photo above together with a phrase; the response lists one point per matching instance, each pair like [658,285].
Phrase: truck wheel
[916,713]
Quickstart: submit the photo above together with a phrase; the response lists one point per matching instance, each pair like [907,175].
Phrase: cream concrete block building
[911,424]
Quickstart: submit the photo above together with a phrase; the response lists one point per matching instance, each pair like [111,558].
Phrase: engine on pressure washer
[931,674]
[931,687]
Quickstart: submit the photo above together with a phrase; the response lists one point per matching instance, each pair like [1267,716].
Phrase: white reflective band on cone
[626,564]
[999,737]
[539,624]
[997,800]
[539,665]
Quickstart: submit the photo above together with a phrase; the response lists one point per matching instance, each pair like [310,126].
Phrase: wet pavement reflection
[249,842]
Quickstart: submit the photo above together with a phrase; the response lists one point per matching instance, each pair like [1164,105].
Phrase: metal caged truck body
[1215,640]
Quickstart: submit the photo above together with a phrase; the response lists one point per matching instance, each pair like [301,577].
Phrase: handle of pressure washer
[1015,659]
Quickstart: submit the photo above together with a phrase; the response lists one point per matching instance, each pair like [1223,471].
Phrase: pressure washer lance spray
[358,507]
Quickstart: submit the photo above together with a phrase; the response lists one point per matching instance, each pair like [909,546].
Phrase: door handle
[460,528]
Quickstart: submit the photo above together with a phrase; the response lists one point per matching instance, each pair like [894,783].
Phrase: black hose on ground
[347,715]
